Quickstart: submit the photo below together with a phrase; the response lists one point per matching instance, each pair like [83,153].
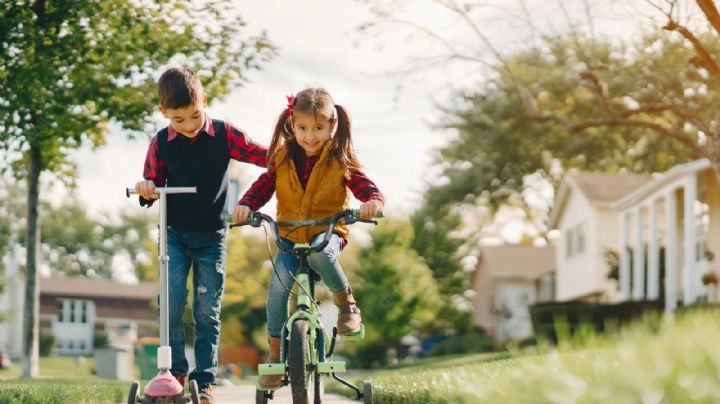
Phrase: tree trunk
[32,295]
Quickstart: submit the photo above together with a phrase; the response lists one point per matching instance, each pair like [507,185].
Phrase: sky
[394,115]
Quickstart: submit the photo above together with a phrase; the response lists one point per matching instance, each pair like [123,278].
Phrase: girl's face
[310,133]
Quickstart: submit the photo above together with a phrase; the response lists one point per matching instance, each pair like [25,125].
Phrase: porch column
[670,252]
[689,276]
[638,266]
[624,258]
[653,254]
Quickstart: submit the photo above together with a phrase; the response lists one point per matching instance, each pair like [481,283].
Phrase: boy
[194,150]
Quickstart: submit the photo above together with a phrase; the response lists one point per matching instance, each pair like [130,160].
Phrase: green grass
[677,362]
[62,380]
[59,391]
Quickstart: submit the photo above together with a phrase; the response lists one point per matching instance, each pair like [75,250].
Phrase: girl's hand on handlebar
[241,213]
[146,189]
[368,210]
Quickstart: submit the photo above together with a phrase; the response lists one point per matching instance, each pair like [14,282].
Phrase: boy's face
[189,120]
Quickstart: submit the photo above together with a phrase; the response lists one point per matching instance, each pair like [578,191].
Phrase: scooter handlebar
[165,190]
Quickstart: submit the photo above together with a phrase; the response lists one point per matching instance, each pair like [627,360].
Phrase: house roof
[600,189]
[673,174]
[99,288]
[517,261]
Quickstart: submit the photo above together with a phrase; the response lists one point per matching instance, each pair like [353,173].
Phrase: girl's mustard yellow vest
[325,195]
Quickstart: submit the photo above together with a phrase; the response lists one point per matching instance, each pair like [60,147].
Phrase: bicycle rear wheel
[302,381]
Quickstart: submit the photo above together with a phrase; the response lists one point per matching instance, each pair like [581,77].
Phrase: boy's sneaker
[206,395]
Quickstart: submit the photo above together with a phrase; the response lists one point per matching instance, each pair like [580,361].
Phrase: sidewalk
[246,394]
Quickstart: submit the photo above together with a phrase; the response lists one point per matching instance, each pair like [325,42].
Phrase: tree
[68,68]
[248,273]
[566,101]
[395,291]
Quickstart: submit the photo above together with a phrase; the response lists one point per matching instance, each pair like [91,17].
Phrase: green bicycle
[306,354]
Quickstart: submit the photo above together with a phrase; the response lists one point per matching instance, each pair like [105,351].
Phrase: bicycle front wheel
[302,375]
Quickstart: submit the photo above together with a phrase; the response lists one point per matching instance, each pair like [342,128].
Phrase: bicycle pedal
[355,336]
[271,369]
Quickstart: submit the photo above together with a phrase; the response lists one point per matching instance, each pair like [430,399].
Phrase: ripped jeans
[324,263]
[207,253]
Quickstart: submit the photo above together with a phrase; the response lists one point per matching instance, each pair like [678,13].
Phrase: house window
[83,312]
[72,311]
[580,237]
[575,240]
[569,242]
[61,305]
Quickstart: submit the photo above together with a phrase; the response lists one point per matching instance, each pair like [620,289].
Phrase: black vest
[202,164]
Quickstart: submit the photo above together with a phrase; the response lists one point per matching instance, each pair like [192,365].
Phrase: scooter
[164,388]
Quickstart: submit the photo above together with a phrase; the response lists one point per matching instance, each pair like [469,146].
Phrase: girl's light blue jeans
[324,263]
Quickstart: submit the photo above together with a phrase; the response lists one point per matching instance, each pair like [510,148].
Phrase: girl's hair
[314,101]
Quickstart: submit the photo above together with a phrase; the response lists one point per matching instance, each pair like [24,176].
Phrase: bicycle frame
[306,306]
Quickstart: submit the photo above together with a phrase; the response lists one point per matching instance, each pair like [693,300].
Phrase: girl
[311,164]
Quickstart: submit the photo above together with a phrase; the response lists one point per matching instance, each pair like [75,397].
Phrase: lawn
[62,380]
[675,362]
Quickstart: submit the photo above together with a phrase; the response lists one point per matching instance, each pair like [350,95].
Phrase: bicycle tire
[301,380]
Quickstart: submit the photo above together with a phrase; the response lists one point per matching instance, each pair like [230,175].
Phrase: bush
[553,321]
[47,342]
[465,343]
[100,340]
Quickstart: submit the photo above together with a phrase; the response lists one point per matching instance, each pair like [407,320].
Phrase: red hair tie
[290,105]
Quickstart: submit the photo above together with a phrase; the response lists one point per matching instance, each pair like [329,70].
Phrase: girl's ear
[334,126]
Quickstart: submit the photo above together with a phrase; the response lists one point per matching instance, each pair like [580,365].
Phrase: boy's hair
[179,88]
[314,101]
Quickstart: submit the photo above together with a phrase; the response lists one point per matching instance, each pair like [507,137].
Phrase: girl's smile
[311,132]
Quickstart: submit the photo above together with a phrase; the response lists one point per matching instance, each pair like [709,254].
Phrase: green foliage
[100,340]
[248,273]
[463,344]
[643,361]
[432,241]
[70,68]
[395,291]
[47,342]
[74,243]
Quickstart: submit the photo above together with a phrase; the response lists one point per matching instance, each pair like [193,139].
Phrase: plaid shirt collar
[207,128]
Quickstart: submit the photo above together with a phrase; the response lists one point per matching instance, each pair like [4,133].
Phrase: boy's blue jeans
[206,252]
[325,263]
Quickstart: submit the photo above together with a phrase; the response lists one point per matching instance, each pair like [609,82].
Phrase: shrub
[465,343]
[47,342]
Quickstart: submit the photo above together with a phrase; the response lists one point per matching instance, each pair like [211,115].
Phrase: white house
[507,280]
[589,226]
[679,211]
[75,309]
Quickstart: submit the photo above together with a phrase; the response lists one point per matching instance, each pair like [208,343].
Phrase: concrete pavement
[243,394]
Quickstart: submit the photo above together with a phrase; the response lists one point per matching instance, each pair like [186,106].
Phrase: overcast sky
[319,45]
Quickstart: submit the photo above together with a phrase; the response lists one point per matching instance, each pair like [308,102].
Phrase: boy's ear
[162,110]
[204,100]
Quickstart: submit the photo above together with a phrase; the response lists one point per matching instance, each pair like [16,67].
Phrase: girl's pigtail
[281,136]
[343,149]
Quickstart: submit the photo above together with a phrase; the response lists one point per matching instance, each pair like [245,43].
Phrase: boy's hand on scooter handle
[241,213]
[368,210]
[146,189]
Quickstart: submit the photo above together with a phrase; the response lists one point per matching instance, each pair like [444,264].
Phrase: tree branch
[592,78]
[704,58]
[618,121]
[678,110]
[711,13]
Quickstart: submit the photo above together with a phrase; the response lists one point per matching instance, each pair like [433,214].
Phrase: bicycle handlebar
[349,216]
